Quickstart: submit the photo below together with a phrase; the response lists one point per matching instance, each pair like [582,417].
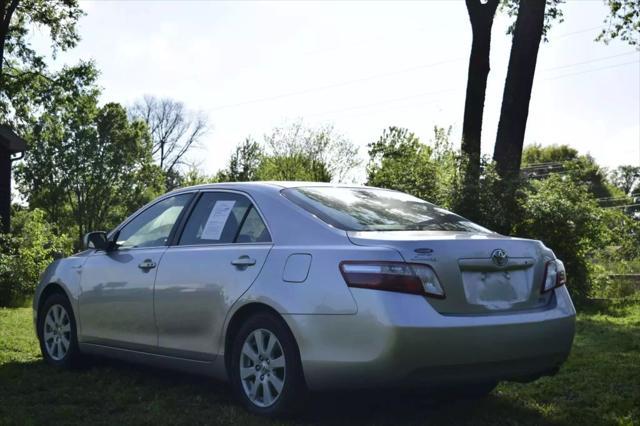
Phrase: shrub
[25,253]
[565,216]
[399,160]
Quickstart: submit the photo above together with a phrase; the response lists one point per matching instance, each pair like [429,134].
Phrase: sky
[360,66]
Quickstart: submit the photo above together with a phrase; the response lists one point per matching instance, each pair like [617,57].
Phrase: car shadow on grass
[109,391]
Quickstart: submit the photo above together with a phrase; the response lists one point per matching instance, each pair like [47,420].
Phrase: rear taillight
[400,277]
[554,275]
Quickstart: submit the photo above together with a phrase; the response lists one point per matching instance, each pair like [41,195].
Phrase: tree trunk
[517,88]
[481,18]
[8,8]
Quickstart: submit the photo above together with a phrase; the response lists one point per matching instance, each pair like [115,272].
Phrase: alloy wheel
[262,367]
[57,332]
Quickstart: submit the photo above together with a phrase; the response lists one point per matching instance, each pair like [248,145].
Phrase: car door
[116,302]
[221,249]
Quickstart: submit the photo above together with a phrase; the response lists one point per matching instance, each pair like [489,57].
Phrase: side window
[152,227]
[253,229]
[220,218]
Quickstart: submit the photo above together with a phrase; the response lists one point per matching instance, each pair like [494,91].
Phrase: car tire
[267,383]
[57,332]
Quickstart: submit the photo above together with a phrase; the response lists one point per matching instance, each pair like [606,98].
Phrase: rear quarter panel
[324,291]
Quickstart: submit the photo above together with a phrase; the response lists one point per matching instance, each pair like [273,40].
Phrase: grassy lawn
[600,384]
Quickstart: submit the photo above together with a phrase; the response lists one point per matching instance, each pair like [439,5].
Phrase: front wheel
[57,332]
[266,372]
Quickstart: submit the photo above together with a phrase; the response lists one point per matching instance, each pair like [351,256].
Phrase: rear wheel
[265,368]
[57,332]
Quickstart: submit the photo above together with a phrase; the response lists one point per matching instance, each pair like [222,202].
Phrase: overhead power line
[334,85]
[591,70]
[622,207]
[604,58]
[577,32]
[386,101]
[362,106]
[419,67]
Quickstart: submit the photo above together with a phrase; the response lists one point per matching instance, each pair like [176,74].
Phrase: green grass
[600,384]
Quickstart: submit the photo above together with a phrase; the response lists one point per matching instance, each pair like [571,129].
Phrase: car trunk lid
[481,273]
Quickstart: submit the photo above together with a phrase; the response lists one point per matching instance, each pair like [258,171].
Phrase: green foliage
[566,160]
[552,12]
[623,22]
[561,213]
[244,163]
[398,160]
[558,208]
[23,73]
[626,179]
[25,253]
[58,17]
[294,152]
[193,176]
[500,202]
[329,154]
[538,154]
[88,166]
[294,167]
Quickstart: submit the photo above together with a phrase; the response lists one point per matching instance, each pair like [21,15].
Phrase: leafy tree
[448,162]
[193,176]
[626,178]
[20,65]
[538,154]
[563,214]
[330,154]
[25,253]
[244,163]
[174,131]
[563,159]
[622,22]
[19,17]
[586,171]
[293,167]
[398,160]
[88,166]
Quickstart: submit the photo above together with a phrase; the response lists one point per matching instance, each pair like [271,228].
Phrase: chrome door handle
[147,264]
[243,261]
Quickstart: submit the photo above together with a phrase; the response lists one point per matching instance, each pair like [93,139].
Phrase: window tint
[152,227]
[370,209]
[217,218]
[253,229]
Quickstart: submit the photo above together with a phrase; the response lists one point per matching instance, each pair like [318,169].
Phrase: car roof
[264,185]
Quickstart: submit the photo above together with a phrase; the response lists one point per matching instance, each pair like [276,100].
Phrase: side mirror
[96,240]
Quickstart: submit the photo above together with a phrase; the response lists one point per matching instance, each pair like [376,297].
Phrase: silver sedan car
[282,288]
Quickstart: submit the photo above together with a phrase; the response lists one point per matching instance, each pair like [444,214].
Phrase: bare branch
[174,130]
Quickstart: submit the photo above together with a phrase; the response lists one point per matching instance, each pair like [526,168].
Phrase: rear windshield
[367,209]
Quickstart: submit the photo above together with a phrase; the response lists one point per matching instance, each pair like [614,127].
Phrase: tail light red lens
[399,277]
[554,275]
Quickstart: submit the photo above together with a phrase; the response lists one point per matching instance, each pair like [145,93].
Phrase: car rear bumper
[400,340]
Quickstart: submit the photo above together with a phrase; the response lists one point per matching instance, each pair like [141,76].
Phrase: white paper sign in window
[217,219]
